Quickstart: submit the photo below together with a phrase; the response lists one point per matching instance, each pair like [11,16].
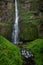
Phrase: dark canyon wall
[6,18]
[30,18]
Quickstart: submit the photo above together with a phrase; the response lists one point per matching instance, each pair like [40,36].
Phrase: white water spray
[16,28]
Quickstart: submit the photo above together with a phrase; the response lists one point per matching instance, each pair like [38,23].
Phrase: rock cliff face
[29,19]
[41,18]
[41,5]
[6,18]
[5,11]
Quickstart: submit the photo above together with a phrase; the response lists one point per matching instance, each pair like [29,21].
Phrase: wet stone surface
[28,57]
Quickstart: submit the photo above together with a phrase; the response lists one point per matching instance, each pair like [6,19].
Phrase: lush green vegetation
[36,48]
[31,28]
[29,19]
[9,53]
[28,31]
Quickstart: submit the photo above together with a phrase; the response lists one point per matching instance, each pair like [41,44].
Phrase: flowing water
[27,55]
[16,28]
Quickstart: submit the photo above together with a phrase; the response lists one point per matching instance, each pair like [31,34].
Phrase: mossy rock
[36,47]
[6,30]
[28,31]
[9,53]
[28,19]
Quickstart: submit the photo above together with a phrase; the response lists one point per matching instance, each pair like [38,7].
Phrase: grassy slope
[37,49]
[9,53]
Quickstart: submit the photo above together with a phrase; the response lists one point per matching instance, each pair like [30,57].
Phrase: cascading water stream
[16,28]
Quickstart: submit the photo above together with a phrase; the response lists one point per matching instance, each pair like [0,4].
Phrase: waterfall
[16,28]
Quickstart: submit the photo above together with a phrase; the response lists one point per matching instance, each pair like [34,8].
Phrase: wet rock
[26,53]
[28,57]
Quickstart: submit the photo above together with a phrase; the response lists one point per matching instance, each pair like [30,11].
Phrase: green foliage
[28,31]
[9,53]
[29,15]
[34,5]
[36,48]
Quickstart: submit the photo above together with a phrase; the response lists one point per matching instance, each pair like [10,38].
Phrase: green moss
[28,31]
[28,13]
[9,53]
[36,48]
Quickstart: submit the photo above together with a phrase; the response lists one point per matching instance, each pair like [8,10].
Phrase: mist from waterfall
[16,28]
